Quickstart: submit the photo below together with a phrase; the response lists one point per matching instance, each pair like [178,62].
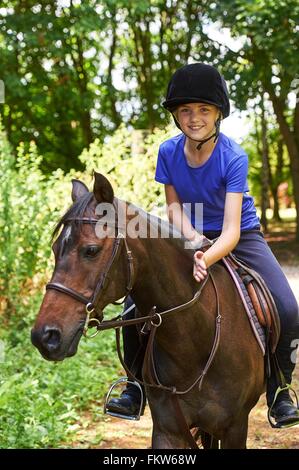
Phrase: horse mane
[175,236]
[78,209]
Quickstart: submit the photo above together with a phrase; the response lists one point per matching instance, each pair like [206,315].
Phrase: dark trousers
[132,344]
[255,252]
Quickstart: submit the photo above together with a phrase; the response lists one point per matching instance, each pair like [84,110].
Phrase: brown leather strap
[150,362]
[68,291]
[103,282]
[151,373]
[106,324]
[183,426]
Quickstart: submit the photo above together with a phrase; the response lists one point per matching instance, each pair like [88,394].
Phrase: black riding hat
[197,83]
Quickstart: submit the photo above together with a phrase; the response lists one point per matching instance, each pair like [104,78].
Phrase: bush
[129,159]
[41,403]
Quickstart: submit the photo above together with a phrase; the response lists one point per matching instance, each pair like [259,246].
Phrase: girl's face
[197,120]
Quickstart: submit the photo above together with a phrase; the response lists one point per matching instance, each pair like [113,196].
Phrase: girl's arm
[176,215]
[230,234]
[228,239]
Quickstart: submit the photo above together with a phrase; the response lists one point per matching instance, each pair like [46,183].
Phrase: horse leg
[168,436]
[235,436]
[167,432]
[162,439]
[208,441]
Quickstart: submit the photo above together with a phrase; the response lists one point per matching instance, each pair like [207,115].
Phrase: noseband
[91,303]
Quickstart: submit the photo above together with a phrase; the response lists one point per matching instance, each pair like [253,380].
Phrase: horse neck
[166,281]
[164,274]
[163,267]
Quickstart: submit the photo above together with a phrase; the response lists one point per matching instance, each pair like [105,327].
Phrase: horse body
[183,342]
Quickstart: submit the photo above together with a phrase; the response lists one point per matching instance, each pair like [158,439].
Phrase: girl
[202,165]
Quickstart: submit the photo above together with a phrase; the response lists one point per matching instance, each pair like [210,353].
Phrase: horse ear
[78,190]
[102,189]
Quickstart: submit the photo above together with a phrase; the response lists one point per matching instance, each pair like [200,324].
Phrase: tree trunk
[142,41]
[292,146]
[112,91]
[265,168]
[85,118]
[275,182]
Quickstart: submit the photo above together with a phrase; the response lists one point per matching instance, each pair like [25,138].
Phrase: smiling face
[197,120]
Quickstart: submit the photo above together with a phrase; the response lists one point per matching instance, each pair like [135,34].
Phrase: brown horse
[95,271]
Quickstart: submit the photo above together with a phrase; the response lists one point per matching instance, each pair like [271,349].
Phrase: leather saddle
[257,299]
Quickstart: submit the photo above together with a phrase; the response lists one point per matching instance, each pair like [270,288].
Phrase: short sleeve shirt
[202,189]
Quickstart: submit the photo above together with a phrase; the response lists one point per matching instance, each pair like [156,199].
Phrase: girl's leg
[129,401]
[254,251]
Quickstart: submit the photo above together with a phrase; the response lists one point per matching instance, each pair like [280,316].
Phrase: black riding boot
[284,411]
[129,401]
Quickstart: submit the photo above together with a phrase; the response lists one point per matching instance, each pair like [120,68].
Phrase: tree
[76,72]
[48,75]
[267,59]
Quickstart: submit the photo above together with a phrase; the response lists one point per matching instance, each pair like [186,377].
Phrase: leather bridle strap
[149,361]
[115,323]
[153,328]
[91,303]
[67,290]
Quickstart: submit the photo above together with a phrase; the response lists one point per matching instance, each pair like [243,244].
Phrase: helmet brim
[172,103]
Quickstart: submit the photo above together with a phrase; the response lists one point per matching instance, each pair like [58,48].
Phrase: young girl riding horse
[202,165]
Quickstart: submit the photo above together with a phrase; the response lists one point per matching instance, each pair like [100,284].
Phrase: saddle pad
[258,330]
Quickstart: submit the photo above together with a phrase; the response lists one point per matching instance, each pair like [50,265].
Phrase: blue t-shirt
[225,171]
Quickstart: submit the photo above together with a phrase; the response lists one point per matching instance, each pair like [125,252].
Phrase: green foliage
[41,402]
[76,72]
[129,159]
[29,208]
[268,39]
[23,217]
[279,170]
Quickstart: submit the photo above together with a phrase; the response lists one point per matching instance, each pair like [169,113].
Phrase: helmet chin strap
[216,134]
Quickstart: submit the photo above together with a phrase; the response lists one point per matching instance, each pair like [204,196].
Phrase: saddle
[258,302]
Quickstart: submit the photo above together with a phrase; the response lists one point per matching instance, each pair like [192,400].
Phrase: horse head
[84,263]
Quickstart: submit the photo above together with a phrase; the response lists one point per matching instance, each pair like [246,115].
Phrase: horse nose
[48,337]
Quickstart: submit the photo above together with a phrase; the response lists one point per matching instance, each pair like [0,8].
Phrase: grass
[40,401]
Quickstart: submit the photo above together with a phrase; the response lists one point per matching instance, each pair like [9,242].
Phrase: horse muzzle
[52,344]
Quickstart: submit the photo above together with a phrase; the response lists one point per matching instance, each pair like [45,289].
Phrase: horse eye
[90,251]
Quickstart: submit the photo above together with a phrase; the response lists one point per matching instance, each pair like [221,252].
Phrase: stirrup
[120,415]
[281,425]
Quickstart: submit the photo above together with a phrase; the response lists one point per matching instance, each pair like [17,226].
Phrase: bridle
[92,303]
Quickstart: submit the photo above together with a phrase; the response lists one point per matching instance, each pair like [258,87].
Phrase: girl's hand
[199,267]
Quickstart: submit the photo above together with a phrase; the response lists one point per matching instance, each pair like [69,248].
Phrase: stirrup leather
[135,417]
